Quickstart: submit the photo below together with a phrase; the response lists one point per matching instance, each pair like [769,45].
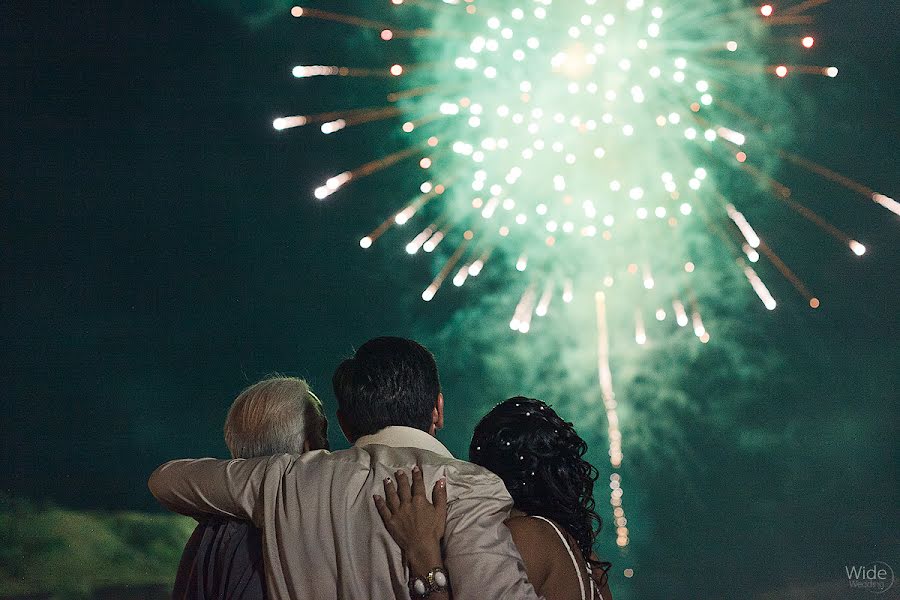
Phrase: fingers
[418,482]
[403,486]
[439,497]
[401,493]
[390,495]
[383,511]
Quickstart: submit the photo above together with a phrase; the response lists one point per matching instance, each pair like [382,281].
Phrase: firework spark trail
[788,274]
[612,418]
[432,289]
[885,201]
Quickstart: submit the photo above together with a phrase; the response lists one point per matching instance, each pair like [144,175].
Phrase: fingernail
[442,482]
[398,473]
[387,479]
[377,497]
[415,469]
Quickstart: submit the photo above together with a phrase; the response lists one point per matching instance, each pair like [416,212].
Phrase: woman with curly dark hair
[540,459]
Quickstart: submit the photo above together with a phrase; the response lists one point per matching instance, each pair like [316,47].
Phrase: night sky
[161,250]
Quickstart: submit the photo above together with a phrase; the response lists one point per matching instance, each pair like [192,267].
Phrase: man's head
[279,415]
[388,381]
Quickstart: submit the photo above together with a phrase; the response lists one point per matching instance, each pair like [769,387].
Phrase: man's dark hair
[388,381]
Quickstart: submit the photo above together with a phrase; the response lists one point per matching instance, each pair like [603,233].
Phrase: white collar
[397,436]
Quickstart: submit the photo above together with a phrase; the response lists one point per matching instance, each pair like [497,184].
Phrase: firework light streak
[885,201]
[612,419]
[760,288]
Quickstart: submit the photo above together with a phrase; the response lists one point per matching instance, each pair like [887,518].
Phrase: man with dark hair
[389,381]
[323,537]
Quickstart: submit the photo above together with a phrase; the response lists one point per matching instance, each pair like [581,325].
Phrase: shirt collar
[397,436]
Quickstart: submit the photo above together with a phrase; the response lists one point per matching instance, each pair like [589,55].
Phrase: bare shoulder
[533,538]
[530,530]
[547,560]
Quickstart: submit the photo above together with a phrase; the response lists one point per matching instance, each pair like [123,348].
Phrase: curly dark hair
[540,458]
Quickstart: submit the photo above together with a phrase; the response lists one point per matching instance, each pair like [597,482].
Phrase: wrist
[423,558]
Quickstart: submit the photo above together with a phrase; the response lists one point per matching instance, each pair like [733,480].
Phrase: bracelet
[435,581]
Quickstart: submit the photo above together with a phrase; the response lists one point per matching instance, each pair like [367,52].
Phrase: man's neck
[398,436]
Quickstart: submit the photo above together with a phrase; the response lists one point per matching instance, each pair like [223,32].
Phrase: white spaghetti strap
[571,555]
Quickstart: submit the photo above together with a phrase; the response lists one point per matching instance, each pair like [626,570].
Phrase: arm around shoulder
[208,486]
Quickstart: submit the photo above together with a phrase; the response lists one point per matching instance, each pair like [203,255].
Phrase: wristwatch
[435,581]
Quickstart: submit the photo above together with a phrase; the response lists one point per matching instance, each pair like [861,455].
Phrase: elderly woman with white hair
[223,558]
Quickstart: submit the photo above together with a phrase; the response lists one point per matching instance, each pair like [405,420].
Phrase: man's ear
[345,427]
[437,414]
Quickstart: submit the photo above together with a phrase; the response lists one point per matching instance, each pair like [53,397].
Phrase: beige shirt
[322,536]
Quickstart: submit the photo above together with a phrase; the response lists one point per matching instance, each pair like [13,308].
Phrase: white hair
[275,416]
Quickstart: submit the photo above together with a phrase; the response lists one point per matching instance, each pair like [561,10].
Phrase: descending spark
[612,418]
[789,275]
[432,289]
[640,331]
[606,388]
[783,193]
[417,242]
[732,136]
[889,203]
[333,184]
[759,287]
[568,291]
[699,327]
[288,122]
[478,264]
[303,71]
[521,320]
[461,276]
[522,263]
[885,201]
[803,7]
[432,242]
[544,303]
[752,254]
[742,224]
[352,117]
[302,11]
[680,314]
